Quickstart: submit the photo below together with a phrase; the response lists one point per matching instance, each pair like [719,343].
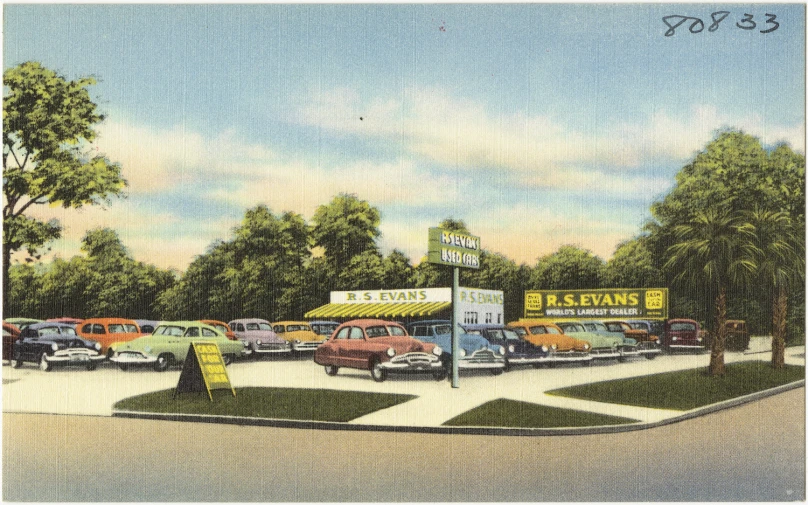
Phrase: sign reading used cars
[453,249]
[644,303]
[203,370]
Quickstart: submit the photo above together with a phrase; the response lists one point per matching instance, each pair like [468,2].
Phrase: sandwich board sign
[203,370]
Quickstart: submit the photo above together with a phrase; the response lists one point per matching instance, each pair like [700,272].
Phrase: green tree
[633,266]
[345,228]
[780,262]
[47,160]
[711,252]
[570,267]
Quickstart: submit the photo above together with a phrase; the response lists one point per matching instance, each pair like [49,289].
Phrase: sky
[539,125]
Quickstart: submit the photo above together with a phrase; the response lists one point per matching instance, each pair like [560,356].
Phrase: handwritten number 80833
[696,25]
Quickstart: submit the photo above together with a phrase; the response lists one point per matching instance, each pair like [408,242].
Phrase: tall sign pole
[457,250]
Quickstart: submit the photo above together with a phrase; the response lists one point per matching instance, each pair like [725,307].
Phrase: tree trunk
[717,367]
[779,308]
[6,268]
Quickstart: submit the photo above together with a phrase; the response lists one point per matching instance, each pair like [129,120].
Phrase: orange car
[543,333]
[108,331]
[222,327]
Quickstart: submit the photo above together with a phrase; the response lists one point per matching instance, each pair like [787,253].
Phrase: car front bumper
[570,357]
[413,362]
[481,359]
[306,346]
[133,358]
[75,357]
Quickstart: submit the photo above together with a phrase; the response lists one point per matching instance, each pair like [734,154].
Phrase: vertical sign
[457,250]
[203,370]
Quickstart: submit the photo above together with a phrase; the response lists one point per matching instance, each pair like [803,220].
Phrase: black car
[517,351]
[52,344]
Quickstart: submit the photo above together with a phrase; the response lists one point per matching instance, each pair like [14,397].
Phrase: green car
[603,347]
[169,344]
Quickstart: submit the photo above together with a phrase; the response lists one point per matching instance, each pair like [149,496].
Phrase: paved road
[755,452]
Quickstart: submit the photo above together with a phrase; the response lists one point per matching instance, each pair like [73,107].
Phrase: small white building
[476,305]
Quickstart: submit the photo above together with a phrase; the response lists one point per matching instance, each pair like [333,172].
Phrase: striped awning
[373,310]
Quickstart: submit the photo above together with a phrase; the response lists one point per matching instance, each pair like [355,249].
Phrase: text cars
[380,347]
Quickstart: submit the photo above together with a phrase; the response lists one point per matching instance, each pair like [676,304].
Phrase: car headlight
[554,347]
[511,348]
[97,346]
[502,350]
[462,353]
[699,339]
[673,339]
[391,352]
[544,348]
[257,342]
[297,341]
[586,346]
[437,351]
[54,346]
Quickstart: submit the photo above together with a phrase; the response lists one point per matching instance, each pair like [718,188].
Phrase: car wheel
[44,364]
[331,370]
[123,366]
[227,359]
[376,371]
[161,365]
[91,367]
[440,375]
[650,355]
[496,371]
[16,362]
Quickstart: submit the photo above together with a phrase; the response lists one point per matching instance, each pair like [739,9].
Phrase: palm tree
[780,264]
[712,250]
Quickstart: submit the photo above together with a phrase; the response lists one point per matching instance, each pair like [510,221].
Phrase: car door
[353,349]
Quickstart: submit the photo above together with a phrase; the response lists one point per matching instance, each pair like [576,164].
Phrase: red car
[380,347]
[10,334]
[682,334]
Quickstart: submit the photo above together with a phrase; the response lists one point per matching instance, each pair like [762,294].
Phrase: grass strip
[686,389]
[515,414]
[271,403]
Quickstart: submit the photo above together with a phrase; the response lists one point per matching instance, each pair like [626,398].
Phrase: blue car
[476,353]
[324,328]
[517,351]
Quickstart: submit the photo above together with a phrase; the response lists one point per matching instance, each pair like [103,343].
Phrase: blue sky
[539,125]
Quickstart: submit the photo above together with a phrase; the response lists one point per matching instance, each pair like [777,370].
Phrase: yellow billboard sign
[640,303]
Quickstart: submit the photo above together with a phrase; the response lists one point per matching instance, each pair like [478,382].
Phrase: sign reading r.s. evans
[651,303]
[453,249]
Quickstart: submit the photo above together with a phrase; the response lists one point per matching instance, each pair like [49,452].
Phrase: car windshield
[120,328]
[396,331]
[593,326]
[571,327]
[503,334]
[376,331]
[443,328]
[258,327]
[683,327]
[540,330]
[221,327]
[324,329]
[173,331]
[638,325]
[520,331]
[616,327]
[50,330]
[298,327]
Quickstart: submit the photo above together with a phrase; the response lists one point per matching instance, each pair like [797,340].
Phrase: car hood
[562,342]
[303,336]
[468,342]
[597,341]
[403,344]
[262,335]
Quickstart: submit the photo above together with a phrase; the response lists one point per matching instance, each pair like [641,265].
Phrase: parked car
[10,335]
[22,322]
[564,348]
[258,337]
[476,353]
[604,346]
[146,326]
[108,331]
[517,351]
[737,335]
[324,328]
[682,334]
[380,347]
[52,344]
[222,327]
[654,327]
[298,334]
[170,343]
[647,345]
[73,321]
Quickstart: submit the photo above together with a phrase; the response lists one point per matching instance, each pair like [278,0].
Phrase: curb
[459,430]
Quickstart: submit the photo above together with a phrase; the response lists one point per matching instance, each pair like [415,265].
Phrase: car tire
[91,367]
[496,371]
[16,362]
[123,366]
[376,372]
[227,359]
[44,364]
[161,365]
[331,370]
[439,375]
[650,355]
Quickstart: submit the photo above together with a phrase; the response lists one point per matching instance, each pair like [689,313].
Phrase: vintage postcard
[419,252]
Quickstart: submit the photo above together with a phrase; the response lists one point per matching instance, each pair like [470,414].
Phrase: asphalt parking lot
[80,392]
